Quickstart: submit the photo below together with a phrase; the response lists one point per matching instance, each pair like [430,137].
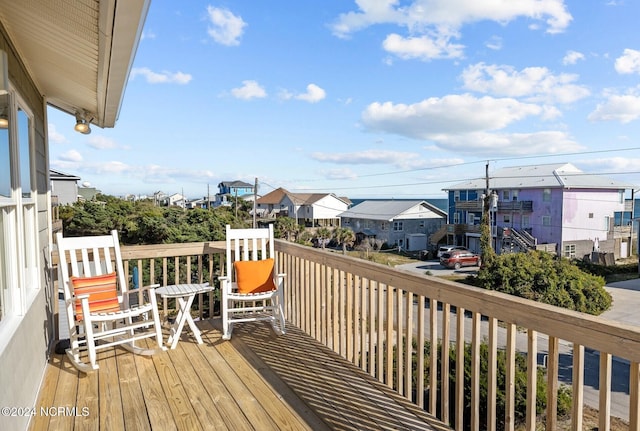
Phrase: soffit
[78,52]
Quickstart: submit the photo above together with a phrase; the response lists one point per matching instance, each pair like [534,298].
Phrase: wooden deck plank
[279,413]
[231,416]
[225,367]
[170,379]
[338,391]
[110,416]
[131,392]
[256,381]
[47,393]
[87,402]
[66,396]
[202,402]
[156,403]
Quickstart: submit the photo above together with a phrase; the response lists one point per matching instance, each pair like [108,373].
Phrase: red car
[459,258]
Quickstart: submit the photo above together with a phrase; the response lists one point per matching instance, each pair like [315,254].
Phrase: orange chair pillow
[102,291]
[254,276]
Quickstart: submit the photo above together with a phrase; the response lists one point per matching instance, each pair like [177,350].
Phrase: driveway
[436,269]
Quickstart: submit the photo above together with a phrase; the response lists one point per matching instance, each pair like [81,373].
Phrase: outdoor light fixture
[4,121]
[82,125]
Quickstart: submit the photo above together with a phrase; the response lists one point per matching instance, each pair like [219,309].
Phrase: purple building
[554,207]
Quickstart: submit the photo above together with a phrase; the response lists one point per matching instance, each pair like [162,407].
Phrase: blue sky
[366,98]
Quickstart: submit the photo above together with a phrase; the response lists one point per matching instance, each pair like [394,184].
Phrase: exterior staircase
[438,235]
[520,239]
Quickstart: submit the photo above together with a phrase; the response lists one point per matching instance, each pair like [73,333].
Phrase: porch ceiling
[78,52]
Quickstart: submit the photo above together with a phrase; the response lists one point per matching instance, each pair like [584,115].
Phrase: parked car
[459,258]
[447,248]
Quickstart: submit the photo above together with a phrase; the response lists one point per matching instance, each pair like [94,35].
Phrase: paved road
[626,301]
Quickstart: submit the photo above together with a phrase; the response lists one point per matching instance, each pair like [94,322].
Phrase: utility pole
[255,200]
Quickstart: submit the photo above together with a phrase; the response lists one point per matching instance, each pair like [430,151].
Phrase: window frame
[20,266]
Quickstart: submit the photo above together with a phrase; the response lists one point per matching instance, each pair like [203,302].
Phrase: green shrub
[542,277]
[564,392]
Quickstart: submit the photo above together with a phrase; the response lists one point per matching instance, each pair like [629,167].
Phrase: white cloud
[572,57]
[532,83]
[613,164]
[56,137]
[161,78]
[102,143]
[399,159]
[453,114]
[71,156]
[422,48]
[509,144]
[226,28]
[249,90]
[314,94]
[450,14]
[628,62]
[339,174]
[494,43]
[624,108]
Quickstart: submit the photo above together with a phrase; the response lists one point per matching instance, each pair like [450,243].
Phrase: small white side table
[184,294]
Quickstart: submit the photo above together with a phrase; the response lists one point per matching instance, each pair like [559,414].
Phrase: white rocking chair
[97,300]
[251,290]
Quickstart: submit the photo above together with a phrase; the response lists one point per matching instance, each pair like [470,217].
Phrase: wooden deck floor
[257,381]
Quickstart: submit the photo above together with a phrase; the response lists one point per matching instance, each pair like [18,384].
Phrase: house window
[514,195]
[526,222]
[19,264]
[546,220]
[398,226]
[505,195]
[506,219]
[590,215]
[421,224]
[570,250]
[546,195]
[384,226]
[456,218]
[607,222]
[456,195]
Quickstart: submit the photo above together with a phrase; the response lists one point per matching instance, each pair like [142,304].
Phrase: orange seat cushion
[254,276]
[102,291]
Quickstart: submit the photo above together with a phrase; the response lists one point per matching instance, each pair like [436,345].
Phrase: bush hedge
[543,277]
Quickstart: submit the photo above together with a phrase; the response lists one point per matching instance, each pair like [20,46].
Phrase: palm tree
[344,236]
[285,227]
[323,234]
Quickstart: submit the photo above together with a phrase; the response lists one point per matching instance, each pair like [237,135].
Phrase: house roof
[554,175]
[276,196]
[79,53]
[237,183]
[61,176]
[272,198]
[390,210]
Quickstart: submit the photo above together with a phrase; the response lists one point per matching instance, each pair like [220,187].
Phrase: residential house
[64,187]
[555,207]
[176,200]
[76,57]
[86,192]
[309,209]
[407,224]
[230,190]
